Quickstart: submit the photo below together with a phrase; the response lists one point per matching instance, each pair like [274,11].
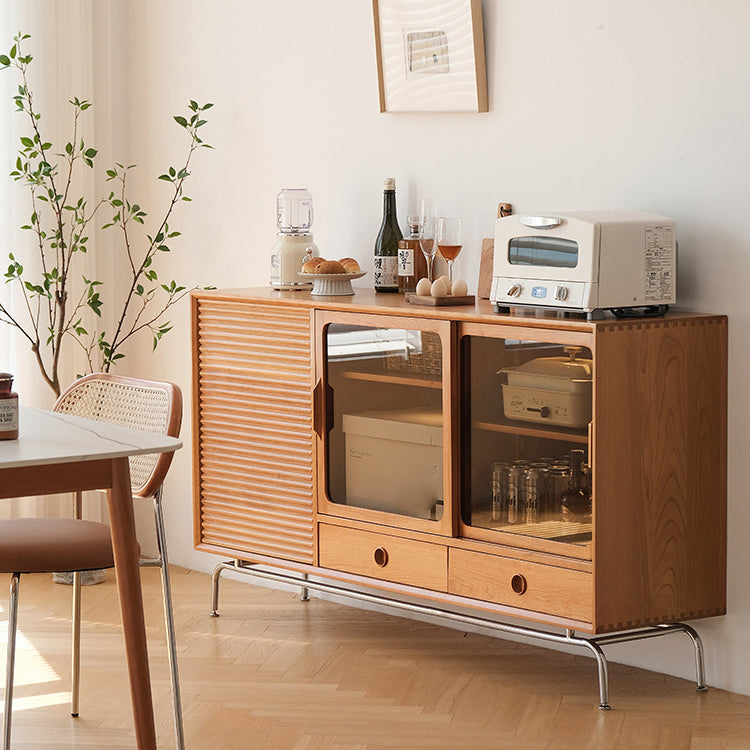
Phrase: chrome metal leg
[10,658]
[222,566]
[75,671]
[304,592]
[593,644]
[700,673]
[161,539]
[601,664]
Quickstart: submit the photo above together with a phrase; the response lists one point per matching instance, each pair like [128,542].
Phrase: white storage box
[394,461]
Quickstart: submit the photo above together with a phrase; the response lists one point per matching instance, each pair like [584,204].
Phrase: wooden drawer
[388,558]
[539,588]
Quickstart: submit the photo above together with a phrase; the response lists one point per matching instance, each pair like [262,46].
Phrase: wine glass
[427,225]
[449,237]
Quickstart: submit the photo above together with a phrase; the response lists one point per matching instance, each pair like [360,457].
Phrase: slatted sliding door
[253,440]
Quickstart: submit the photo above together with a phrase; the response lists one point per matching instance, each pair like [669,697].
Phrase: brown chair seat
[47,545]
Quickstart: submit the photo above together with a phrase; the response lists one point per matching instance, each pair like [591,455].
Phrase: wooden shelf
[418,381]
[548,433]
[553,530]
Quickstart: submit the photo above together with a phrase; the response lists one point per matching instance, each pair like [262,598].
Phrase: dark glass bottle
[576,501]
[412,265]
[386,244]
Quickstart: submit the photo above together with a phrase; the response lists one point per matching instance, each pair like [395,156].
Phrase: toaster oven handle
[541,222]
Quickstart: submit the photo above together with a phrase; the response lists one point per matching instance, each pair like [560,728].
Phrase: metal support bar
[593,644]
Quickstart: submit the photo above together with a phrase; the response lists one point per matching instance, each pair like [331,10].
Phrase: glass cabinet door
[384,438]
[527,406]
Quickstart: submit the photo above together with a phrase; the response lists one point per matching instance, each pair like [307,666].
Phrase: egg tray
[430,301]
[428,362]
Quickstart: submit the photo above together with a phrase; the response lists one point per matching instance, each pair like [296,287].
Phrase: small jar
[8,408]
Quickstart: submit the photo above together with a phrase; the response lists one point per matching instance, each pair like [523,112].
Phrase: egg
[445,281]
[423,287]
[460,288]
[440,288]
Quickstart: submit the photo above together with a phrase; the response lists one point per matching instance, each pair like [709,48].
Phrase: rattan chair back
[131,402]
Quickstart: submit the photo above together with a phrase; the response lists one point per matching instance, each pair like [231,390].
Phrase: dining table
[60,453]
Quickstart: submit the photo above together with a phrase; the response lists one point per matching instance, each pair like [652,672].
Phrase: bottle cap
[390,183]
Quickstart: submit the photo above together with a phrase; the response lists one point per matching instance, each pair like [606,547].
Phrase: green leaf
[180,120]
[4,60]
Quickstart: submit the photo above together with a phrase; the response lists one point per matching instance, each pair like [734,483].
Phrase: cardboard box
[394,461]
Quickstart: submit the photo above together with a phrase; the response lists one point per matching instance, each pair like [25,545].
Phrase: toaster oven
[585,262]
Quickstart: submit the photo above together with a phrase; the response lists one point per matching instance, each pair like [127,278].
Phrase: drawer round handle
[518,583]
[381,557]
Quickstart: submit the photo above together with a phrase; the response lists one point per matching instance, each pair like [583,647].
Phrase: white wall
[593,104]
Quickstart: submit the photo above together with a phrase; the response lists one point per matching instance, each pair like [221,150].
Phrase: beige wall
[636,105]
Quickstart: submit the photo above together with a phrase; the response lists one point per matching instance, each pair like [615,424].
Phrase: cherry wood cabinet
[291,390]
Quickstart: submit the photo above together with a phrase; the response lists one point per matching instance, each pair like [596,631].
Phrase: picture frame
[430,56]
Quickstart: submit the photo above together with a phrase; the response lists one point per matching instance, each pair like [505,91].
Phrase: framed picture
[430,55]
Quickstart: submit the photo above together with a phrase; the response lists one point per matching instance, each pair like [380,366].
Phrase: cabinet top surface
[366,300]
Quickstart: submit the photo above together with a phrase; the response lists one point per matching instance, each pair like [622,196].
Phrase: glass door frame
[563,337]
[323,415]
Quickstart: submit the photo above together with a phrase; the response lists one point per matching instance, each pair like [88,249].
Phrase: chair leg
[75,667]
[161,539]
[10,658]
[75,671]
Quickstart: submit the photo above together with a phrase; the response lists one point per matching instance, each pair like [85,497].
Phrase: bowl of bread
[331,278]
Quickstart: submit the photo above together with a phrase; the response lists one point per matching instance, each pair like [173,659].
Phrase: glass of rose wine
[449,237]
[427,227]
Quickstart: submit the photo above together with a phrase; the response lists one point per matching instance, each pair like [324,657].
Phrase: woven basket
[427,362]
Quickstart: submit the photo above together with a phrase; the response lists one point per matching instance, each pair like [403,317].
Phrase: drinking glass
[449,240]
[427,226]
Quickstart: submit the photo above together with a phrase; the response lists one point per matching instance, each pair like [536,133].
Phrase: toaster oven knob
[561,293]
[515,290]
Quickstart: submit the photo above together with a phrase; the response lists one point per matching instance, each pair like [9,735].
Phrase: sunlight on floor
[24,702]
[31,669]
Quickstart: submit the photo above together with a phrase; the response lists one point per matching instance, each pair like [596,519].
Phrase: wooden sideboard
[298,401]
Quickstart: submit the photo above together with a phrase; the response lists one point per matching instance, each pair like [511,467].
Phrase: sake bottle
[386,244]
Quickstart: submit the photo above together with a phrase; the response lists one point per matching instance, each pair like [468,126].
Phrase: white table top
[46,437]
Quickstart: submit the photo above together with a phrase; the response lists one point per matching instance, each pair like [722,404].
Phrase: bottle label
[406,261]
[8,415]
[385,270]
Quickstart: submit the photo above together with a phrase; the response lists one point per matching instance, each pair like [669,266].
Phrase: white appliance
[586,262]
[294,243]
[551,390]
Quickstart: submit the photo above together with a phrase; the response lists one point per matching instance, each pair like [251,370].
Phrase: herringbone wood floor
[276,673]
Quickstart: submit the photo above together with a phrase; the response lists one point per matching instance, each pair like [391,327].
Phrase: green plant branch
[60,221]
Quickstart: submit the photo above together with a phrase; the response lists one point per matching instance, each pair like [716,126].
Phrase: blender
[294,243]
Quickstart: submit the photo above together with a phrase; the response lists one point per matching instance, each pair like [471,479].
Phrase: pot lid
[565,368]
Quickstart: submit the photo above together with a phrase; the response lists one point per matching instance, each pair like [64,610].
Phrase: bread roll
[330,266]
[350,265]
[310,266]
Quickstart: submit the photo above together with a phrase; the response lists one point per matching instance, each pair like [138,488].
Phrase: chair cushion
[47,545]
